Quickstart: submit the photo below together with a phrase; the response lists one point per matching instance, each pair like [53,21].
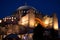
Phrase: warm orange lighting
[51,22]
[0,21]
[40,22]
[24,20]
[55,22]
[36,24]
[31,19]
[31,23]
[56,26]
[46,21]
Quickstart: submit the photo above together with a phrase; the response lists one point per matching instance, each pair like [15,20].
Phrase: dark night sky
[45,6]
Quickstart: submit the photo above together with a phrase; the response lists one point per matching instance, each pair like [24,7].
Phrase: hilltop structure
[24,20]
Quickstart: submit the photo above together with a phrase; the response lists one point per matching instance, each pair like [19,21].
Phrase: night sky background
[45,6]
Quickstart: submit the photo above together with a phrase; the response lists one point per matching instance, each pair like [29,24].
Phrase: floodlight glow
[0,21]
[46,21]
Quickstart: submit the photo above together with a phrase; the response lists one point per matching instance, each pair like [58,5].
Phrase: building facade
[23,21]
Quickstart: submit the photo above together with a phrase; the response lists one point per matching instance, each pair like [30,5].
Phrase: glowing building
[26,18]
[55,22]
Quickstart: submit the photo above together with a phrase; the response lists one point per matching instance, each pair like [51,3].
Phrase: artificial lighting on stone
[0,21]
[46,21]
